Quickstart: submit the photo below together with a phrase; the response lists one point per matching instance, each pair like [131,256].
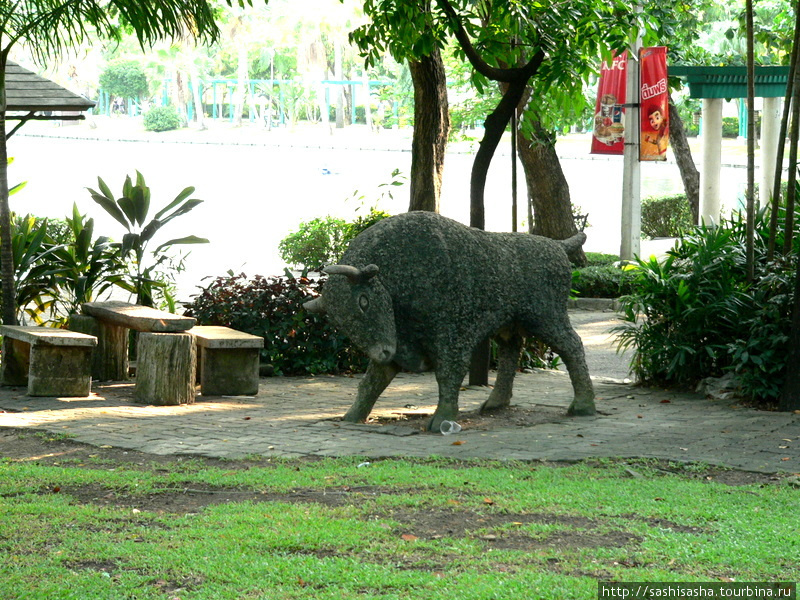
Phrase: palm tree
[49,29]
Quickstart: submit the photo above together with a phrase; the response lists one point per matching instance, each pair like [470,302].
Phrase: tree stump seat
[227,360]
[166,359]
[51,362]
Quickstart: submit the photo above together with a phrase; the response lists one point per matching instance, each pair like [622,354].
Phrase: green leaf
[178,199]
[105,189]
[190,239]
[111,208]
[150,230]
[128,205]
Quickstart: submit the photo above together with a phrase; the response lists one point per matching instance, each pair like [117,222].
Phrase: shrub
[598,259]
[602,282]
[730,127]
[295,342]
[162,118]
[124,78]
[666,216]
[323,240]
[694,315]
[316,243]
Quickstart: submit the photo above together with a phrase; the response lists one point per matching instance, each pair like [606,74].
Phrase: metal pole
[631,229]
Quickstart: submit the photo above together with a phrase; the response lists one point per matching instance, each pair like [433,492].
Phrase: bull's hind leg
[371,387]
[561,337]
[508,349]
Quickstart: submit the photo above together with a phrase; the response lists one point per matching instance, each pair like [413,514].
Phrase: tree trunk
[431,128]
[776,187]
[548,190]
[683,156]
[789,399]
[6,251]
[165,373]
[791,190]
[494,127]
[751,146]
[197,95]
[243,81]
[338,75]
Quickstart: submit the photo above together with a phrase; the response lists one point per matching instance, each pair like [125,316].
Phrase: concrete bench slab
[227,360]
[140,318]
[51,362]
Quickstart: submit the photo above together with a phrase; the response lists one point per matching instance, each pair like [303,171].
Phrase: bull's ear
[369,272]
[316,306]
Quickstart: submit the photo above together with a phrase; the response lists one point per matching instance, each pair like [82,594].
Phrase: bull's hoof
[435,424]
[494,403]
[582,410]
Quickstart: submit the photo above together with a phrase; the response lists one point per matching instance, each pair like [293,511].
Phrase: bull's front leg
[449,378]
[371,387]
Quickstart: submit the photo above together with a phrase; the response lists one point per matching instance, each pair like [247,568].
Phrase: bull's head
[357,303]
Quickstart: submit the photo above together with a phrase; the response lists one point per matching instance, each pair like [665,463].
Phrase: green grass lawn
[92,528]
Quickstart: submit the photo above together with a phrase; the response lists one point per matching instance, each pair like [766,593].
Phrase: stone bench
[227,360]
[166,356]
[51,362]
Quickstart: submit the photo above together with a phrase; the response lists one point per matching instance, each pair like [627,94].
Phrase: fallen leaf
[786,458]
[488,501]
[489,537]
[408,537]
[658,499]
[666,401]
[247,418]
[458,443]
[301,582]
[639,417]
[56,489]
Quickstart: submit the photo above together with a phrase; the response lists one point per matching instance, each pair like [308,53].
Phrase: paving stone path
[300,417]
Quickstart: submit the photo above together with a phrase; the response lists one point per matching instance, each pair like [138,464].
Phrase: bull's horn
[349,271]
[354,274]
[315,306]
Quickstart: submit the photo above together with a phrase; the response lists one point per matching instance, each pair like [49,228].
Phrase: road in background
[260,185]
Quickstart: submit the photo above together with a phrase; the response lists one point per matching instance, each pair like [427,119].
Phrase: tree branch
[512,75]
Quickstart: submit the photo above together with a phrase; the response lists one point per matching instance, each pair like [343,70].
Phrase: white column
[770,128]
[712,160]
[631,226]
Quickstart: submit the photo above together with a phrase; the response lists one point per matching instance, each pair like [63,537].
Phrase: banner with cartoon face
[654,101]
[608,127]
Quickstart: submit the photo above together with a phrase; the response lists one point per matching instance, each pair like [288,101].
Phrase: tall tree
[410,31]
[50,28]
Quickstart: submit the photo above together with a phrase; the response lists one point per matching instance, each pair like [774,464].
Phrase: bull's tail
[573,243]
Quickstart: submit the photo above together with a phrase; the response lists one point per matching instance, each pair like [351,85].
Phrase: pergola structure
[715,84]
[31,97]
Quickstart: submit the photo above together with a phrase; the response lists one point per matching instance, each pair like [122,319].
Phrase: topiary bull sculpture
[419,291]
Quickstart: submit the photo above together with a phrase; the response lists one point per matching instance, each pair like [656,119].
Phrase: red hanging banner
[608,133]
[654,101]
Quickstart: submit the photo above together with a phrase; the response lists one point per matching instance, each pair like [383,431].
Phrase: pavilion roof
[26,92]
